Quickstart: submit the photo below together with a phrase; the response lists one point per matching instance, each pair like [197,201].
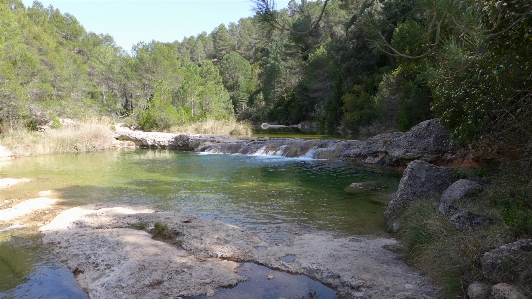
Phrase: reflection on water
[28,270]
[271,196]
[264,283]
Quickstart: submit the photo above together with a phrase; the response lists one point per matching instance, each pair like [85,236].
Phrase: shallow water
[271,196]
[264,283]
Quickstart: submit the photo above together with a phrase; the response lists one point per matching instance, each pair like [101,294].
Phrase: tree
[236,76]
[152,63]
[222,42]
[160,115]
[267,10]
[272,75]
[215,100]
[317,85]
[248,38]
[484,88]
[188,95]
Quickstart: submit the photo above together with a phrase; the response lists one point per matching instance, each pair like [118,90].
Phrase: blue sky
[131,21]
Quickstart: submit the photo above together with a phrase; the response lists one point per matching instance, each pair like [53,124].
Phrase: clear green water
[271,196]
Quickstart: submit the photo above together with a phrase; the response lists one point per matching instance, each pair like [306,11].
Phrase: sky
[132,21]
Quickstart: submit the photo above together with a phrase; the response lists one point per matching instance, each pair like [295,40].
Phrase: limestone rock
[509,262]
[506,291]
[478,290]
[459,190]
[447,209]
[427,139]
[466,220]
[420,180]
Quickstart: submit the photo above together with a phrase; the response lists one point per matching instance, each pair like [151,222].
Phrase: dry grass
[215,127]
[83,136]
[449,257]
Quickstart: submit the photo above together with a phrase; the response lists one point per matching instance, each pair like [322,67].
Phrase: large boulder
[459,190]
[510,263]
[478,290]
[420,180]
[428,140]
[506,291]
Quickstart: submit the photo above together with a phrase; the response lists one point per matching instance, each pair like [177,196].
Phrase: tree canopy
[362,67]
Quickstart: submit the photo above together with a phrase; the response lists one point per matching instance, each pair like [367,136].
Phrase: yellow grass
[81,136]
[215,127]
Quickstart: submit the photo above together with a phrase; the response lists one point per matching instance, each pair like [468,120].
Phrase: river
[271,196]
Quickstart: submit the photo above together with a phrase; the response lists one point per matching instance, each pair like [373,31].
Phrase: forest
[359,67]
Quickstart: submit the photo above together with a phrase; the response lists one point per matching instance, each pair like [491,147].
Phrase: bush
[161,115]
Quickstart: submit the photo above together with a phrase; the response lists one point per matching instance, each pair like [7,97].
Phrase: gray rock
[420,180]
[362,187]
[426,140]
[506,291]
[466,220]
[478,290]
[447,209]
[509,262]
[459,190]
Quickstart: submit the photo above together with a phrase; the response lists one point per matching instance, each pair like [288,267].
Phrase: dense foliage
[362,66]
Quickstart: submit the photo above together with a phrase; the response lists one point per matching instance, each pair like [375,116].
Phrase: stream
[268,195]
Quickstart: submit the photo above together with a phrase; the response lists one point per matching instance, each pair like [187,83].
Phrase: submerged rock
[360,187]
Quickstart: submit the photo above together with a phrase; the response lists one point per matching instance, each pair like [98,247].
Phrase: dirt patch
[112,259]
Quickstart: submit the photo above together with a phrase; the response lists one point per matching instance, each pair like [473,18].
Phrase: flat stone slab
[112,260]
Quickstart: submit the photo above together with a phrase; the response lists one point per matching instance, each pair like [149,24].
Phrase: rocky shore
[428,141]
[111,259]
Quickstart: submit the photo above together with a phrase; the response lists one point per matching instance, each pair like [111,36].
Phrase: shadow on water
[264,283]
[29,270]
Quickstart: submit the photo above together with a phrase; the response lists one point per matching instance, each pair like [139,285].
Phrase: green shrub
[516,211]
[139,225]
[162,232]
[161,115]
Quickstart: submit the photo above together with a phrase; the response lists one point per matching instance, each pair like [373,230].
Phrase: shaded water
[264,283]
[271,196]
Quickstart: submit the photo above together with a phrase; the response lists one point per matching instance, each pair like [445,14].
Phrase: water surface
[271,196]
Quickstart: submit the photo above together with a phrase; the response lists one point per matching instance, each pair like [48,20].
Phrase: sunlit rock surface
[428,141]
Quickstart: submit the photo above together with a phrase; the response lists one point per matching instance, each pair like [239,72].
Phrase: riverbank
[428,141]
[433,238]
[111,259]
